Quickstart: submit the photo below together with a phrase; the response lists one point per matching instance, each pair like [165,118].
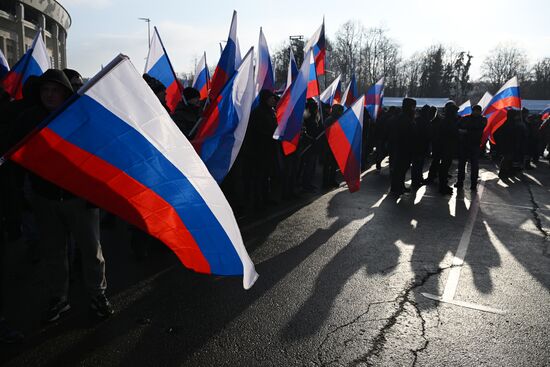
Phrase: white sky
[103,28]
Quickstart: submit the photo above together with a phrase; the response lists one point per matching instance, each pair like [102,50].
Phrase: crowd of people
[54,223]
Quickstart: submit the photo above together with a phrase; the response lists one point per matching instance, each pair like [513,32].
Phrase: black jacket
[470,129]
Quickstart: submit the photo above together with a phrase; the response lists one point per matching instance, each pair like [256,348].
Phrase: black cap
[190,93]
[71,73]
[56,76]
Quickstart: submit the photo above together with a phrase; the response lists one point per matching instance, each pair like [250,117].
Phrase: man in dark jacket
[186,115]
[59,212]
[448,140]
[421,146]
[401,145]
[309,144]
[470,130]
[260,150]
[435,123]
[505,140]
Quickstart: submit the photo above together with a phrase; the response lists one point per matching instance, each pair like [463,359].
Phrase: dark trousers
[434,166]
[444,166]
[290,174]
[309,163]
[417,169]
[468,154]
[400,167]
[329,168]
[55,219]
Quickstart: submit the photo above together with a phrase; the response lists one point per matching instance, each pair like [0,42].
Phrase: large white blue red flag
[545,113]
[332,94]
[221,133]
[290,110]
[317,44]
[158,66]
[465,109]
[351,94]
[507,97]
[292,70]
[484,101]
[116,146]
[312,82]
[4,66]
[344,138]
[34,62]
[374,99]
[201,82]
[228,63]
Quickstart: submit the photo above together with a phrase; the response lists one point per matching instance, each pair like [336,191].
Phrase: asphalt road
[341,284]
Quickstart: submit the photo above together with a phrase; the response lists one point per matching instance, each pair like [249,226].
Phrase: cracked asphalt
[340,285]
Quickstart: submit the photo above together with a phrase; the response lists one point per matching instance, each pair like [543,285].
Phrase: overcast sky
[103,28]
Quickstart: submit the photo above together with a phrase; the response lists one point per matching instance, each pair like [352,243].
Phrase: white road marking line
[458,261]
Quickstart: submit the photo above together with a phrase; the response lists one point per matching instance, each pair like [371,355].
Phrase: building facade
[20,20]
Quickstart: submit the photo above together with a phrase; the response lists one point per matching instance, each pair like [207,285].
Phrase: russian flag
[4,66]
[507,96]
[221,132]
[158,66]
[228,63]
[374,98]
[116,146]
[351,94]
[484,101]
[546,113]
[332,95]
[344,138]
[264,69]
[312,82]
[290,110]
[465,109]
[265,78]
[292,70]
[34,62]
[317,44]
[201,82]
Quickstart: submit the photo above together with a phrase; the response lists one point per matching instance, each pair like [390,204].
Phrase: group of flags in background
[145,170]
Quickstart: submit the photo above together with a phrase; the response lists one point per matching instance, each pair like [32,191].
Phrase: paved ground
[341,283]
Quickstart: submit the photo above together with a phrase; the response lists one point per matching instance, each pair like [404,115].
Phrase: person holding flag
[470,130]
[58,212]
[114,145]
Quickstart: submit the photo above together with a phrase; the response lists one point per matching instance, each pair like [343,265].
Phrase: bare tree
[347,47]
[503,63]
[540,80]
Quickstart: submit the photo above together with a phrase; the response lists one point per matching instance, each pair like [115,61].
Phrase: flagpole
[171,67]
[117,60]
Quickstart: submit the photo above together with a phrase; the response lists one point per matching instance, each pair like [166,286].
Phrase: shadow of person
[373,248]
